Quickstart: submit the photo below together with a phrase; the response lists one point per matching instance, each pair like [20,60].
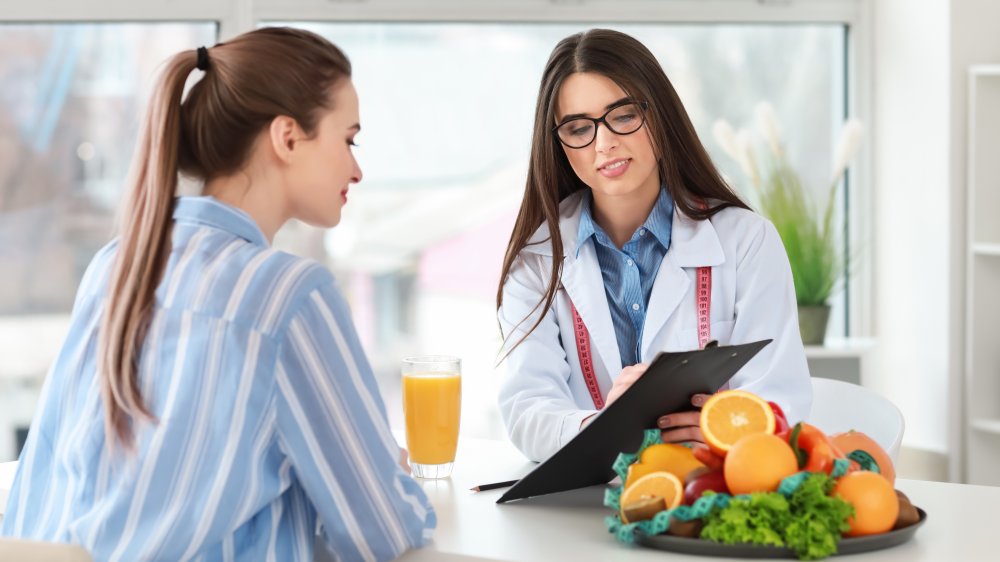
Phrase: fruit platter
[759,489]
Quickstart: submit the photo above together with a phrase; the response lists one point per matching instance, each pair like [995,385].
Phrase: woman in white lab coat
[624,216]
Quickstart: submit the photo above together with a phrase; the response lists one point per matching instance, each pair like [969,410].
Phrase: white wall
[911,214]
[921,54]
[975,39]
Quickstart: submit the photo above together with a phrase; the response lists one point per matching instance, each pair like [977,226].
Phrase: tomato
[780,421]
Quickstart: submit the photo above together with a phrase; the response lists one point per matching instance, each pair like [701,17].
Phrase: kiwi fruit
[643,509]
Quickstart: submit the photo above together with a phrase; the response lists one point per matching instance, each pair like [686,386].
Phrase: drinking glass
[432,406]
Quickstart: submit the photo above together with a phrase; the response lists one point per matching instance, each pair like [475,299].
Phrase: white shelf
[985,70]
[840,348]
[986,249]
[985,425]
[979,409]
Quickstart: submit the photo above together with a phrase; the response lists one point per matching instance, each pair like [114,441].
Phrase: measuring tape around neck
[703,302]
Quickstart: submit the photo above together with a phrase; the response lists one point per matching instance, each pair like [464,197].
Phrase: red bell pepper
[708,458]
[813,448]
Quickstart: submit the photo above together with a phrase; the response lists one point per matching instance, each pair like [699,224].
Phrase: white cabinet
[981,411]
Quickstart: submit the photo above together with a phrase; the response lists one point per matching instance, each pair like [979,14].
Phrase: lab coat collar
[693,243]
[657,223]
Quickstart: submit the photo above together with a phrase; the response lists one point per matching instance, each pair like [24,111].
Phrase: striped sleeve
[333,427]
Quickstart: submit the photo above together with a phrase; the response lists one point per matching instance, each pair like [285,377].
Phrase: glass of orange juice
[432,406]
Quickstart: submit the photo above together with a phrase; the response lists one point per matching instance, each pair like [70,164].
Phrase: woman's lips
[615,168]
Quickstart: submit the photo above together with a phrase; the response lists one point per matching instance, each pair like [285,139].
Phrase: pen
[493,486]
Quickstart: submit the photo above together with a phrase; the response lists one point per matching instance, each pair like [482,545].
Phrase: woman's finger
[698,400]
[682,434]
[679,419]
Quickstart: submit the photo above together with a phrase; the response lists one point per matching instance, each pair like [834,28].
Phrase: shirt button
[628,262]
[642,232]
[635,306]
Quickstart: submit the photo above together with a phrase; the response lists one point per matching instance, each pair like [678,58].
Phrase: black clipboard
[666,386]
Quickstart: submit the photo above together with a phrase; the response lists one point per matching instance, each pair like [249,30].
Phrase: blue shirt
[629,273]
[270,424]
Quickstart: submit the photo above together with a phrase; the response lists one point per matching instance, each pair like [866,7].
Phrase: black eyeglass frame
[643,106]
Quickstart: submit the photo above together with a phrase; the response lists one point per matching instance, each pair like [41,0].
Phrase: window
[69,108]
[447,111]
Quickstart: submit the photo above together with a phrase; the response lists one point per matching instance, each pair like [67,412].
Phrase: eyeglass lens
[622,120]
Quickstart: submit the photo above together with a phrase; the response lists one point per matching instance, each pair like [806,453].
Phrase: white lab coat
[543,397]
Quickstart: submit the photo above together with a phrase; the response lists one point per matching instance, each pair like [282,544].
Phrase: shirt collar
[209,211]
[588,227]
[658,223]
[660,220]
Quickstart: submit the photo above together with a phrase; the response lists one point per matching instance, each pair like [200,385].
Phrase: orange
[732,414]
[853,440]
[670,457]
[636,471]
[758,463]
[660,484]
[876,506]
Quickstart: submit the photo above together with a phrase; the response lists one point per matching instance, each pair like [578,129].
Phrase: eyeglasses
[623,119]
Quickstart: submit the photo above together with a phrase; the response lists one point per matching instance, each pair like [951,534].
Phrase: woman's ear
[284,132]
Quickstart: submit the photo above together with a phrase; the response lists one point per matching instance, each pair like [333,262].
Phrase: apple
[713,480]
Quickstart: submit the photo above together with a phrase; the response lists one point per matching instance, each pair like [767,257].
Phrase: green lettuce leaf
[810,522]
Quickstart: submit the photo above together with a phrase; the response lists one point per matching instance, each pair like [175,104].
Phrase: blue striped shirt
[270,424]
[629,273]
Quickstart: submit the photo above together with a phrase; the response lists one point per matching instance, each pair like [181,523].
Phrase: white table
[7,470]
[961,523]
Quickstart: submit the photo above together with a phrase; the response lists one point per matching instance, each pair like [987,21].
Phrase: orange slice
[732,414]
[654,485]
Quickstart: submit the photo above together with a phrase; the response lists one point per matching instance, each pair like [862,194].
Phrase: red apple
[714,480]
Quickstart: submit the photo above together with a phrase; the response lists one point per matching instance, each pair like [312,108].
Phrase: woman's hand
[684,427]
[404,457]
[625,379]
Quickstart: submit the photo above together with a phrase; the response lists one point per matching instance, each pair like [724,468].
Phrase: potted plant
[806,228]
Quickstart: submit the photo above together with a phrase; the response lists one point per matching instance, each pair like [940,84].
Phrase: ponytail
[250,80]
[143,248]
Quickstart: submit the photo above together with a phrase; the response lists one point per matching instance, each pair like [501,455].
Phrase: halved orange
[660,484]
[732,414]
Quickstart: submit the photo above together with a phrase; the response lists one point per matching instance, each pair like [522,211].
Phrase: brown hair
[684,165]
[248,81]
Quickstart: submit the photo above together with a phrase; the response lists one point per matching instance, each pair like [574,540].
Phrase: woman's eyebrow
[606,108]
[355,127]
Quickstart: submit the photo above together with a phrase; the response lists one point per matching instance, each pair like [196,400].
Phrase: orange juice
[432,404]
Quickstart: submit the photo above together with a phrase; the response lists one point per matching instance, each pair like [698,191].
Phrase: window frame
[236,16]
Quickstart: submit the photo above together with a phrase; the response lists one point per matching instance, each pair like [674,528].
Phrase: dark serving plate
[849,545]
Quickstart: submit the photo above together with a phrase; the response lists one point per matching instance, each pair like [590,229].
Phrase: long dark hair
[691,178]
[248,81]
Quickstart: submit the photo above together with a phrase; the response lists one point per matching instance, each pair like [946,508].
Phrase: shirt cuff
[571,425]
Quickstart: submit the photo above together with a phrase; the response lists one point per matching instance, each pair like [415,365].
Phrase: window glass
[71,101]
[447,114]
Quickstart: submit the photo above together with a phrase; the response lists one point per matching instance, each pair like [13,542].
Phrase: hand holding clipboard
[666,387]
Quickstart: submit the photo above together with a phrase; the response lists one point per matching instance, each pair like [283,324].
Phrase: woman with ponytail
[628,242]
[212,400]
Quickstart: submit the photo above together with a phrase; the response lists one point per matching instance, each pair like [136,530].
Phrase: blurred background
[447,92]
